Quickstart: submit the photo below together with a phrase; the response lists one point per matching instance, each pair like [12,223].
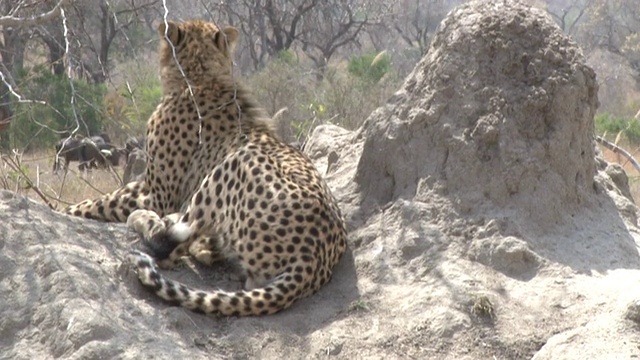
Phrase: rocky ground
[484,224]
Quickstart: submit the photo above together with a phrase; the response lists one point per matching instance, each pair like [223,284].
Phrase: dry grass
[32,175]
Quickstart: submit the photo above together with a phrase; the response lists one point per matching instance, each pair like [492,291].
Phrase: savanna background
[89,67]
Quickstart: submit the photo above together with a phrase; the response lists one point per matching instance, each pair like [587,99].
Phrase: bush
[340,97]
[37,126]
[610,126]
[129,106]
[370,68]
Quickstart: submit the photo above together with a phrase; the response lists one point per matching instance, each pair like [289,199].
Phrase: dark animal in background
[91,153]
[68,149]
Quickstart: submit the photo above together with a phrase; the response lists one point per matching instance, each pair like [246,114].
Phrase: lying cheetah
[220,185]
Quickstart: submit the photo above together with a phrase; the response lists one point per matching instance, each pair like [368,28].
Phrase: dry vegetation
[31,175]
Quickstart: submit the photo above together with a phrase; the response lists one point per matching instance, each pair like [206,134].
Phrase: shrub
[37,126]
[610,126]
[370,68]
[134,99]
[339,97]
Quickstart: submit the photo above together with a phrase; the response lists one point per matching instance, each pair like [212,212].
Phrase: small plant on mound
[359,305]
[481,306]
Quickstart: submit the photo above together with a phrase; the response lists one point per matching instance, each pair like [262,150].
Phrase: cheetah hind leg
[204,249]
[154,231]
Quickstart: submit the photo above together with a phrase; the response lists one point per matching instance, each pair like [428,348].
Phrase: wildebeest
[92,152]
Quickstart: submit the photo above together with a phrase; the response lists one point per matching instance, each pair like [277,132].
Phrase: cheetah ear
[170,30]
[227,39]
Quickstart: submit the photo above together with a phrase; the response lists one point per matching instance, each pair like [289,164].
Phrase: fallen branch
[617,149]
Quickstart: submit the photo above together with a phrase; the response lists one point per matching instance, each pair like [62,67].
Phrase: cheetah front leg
[115,206]
[170,248]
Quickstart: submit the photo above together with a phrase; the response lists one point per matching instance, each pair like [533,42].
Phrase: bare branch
[616,149]
[12,21]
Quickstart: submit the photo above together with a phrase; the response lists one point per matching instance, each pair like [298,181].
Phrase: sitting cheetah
[220,185]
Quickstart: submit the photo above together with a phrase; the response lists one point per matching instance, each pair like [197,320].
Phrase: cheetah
[220,185]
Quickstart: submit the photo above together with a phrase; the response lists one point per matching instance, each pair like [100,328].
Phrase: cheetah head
[199,49]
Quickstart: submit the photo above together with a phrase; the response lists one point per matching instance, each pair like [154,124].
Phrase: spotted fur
[220,185]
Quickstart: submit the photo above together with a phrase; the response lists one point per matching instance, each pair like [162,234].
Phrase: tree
[333,25]
[567,16]
[19,16]
[416,21]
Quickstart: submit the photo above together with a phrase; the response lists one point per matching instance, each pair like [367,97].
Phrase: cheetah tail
[277,296]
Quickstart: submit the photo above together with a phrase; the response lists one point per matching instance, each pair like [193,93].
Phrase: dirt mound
[498,114]
[483,225]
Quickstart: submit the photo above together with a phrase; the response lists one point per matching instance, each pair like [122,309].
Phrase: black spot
[314,232]
[309,241]
[217,174]
[171,292]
